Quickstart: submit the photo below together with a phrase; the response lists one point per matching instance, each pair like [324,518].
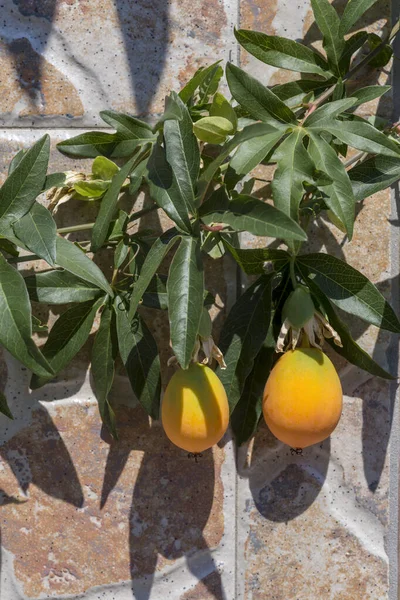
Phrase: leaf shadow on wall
[145,29]
[173,498]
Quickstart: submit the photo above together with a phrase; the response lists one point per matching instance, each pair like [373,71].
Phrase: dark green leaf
[89,145]
[243,334]
[108,206]
[139,354]
[252,131]
[16,320]
[60,287]
[328,111]
[360,135]
[328,23]
[257,99]
[156,294]
[4,409]
[136,177]
[373,175]
[185,290]
[339,194]
[25,183]
[282,52]
[294,167]
[16,160]
[165,191]
[351,351]
[121,252]
[251,153]
[182,153]
[197,80]
[128,127]
[352,44]
[38,326]
[54,180]
[66,338]
[369,93]
[350,290]
[210,84]
[9,247]
[73,260]
[255,216]
[153,260]
[38,231]
[253,260]
[104,353]
[293,92]
[245,417]
[353,11]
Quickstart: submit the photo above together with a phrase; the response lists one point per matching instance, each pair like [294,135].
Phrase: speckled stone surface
[85,518]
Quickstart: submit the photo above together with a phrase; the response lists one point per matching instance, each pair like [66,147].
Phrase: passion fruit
[195,410]
[303,398]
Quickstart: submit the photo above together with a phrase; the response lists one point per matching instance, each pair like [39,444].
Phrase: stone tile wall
[82,517]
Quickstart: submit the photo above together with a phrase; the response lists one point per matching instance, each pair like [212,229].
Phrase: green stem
[141,213]
[73,228]
[292,272]
[20,259]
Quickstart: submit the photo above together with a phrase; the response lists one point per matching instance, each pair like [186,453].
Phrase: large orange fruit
[302,400]
[194,410]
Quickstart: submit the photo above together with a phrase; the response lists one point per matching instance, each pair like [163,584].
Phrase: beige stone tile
[63,62]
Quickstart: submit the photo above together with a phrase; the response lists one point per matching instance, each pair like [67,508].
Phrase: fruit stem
[305,342]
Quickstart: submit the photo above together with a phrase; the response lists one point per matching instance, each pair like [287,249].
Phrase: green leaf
[121,252]
[89,145]
[136,177]
[282,52]
[353,11]
[54,180]
[247,133]
[91,189]
[38,231]
[294,92]
[25,183]
[352,44]
[351,351]
[38,326]
[328,111]
[9,247]
[243,334]
[16,160]
[257,99]
[172,111]
[182,153]
[253,260]
[328,23]
[255,216]
[339,194]
[247,413]
[197,80]
[4,409]
[384,55]
[16,320]
[153,260]
[128,128]
[66,338]
[73,260]
[60,287]
[360,135]
[294,167]
[104,353]
[251,153]
[103,168]
[210,84]
[373,175]
[139,354]
[108,206]
[369,93]
[350,290]
[213,130]
[165,191]
[156,294]
[185,290]
[220,107]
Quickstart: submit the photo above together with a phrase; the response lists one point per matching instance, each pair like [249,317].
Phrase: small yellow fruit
[303,398]
[195,410]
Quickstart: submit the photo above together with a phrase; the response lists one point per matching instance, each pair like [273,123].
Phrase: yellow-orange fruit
[303,398]
[195,410]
